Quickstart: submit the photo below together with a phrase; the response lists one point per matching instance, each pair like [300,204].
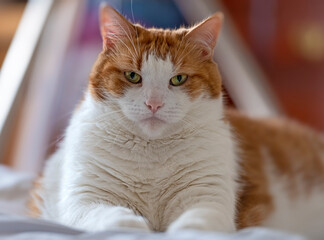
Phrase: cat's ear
[205,34]
[113,26]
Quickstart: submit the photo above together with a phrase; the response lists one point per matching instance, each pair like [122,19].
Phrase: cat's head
[155,76]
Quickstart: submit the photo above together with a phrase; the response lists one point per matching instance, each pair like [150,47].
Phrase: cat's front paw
[126,219]
[188,224]
[104,218]
[202,219]
[128,222]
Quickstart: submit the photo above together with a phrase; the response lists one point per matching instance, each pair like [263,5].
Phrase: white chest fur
[101,162]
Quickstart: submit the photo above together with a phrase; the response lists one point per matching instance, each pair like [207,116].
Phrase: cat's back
[282,174]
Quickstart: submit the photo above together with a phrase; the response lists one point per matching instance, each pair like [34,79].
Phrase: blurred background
[270,54]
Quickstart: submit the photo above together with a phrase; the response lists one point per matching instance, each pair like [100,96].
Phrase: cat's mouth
[153,120]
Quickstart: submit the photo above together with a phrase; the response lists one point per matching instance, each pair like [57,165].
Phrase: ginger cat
[151,147]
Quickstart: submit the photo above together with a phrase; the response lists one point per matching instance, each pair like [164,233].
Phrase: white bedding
[14,188]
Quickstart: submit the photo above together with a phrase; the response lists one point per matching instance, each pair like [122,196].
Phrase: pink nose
[154,105]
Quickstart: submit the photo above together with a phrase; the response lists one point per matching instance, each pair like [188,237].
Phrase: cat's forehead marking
[157,71]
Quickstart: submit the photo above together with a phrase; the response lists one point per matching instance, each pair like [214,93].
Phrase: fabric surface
[14,189]
[14,227]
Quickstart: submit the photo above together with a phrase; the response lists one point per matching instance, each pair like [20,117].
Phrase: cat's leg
[207,205]
[204,217]
[99,217]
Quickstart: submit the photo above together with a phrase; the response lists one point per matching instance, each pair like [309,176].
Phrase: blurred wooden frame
[16,66]
[10,16]
[45,30]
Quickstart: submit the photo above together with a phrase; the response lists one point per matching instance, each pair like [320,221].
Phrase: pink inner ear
[113,25]
[205,53]
[206,33]
[110,33]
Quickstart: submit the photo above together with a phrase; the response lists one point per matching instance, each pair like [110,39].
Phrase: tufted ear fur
[113,26]
[205,34]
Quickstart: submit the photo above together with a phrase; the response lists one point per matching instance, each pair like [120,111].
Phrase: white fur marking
[299,214]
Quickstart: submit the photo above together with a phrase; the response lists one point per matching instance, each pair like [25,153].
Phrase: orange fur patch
[295,152]
[33,205]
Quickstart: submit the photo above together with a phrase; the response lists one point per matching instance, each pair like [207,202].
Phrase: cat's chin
[153,127]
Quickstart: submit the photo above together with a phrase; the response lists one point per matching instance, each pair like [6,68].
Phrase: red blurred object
[287,38]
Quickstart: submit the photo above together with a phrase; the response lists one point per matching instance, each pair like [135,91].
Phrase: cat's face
[155,76]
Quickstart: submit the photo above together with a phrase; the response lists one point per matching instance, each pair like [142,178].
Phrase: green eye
[133,77]
[178,79]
